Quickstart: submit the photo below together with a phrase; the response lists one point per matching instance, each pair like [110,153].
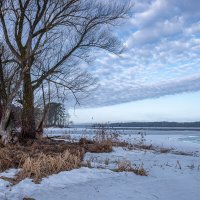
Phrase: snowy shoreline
[166,179]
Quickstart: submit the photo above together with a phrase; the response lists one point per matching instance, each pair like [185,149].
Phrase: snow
[9,173]
[166,181]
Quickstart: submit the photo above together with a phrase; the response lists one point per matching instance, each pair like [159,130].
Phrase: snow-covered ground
[171,176]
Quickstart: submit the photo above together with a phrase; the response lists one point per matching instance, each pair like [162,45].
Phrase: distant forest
[156,124]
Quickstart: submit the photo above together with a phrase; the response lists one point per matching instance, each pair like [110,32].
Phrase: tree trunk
[1,110]
[7,126]
[4,121]
[28,118]
[41,123]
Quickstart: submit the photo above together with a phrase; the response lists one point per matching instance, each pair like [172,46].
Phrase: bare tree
[10,83]
[49,38]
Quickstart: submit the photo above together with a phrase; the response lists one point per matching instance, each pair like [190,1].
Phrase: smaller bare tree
[10,83]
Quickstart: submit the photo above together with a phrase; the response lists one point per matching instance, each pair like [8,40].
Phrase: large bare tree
[48,39]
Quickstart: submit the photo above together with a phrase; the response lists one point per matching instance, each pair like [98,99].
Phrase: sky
[157,77]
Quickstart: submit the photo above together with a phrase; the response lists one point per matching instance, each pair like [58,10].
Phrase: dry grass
[9,158]
[178,165]
[100,148]
[105,135]
[84,142]
[107,161]
[96,147]
[149,147]
[140,146]
[126,166]
[164,150]
[88,162]
[181,153]
[45,165]
[103,141]
[40,158]
[65,137]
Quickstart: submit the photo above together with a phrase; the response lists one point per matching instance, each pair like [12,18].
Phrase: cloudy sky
[158,75]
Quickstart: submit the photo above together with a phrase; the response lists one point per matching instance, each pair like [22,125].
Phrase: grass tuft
[40,158]
[45,165]
[126,166]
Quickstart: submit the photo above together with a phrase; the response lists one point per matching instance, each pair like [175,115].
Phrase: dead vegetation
[40,158]
[43,157]
[103,134]
[103,141]
[45,165]
[139,146]
[95,147]
[13,156]
[182,153]
[127,166]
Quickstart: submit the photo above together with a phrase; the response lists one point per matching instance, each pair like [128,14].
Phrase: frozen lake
[188,135]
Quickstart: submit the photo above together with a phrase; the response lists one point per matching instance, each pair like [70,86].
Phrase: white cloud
[155,10]
[163,40]
[115,95]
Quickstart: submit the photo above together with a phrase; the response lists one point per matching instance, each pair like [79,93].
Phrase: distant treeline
[156,124]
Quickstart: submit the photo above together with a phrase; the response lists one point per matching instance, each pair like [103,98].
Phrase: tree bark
[4,121]
[4,124]
[28,119]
